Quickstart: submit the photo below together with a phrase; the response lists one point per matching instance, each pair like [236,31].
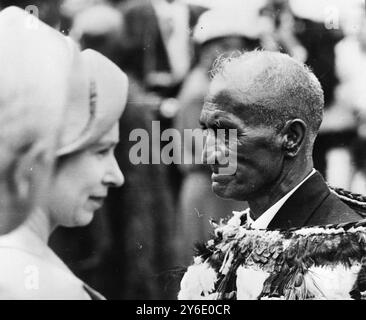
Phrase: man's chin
[230,191]
[221,190]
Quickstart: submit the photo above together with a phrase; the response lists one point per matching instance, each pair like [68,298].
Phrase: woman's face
[82,180]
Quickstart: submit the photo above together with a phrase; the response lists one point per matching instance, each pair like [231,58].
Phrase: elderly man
[276,105]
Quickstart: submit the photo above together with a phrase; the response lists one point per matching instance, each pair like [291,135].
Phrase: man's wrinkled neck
[289,178]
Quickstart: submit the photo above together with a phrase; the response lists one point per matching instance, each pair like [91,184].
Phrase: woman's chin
[83,219]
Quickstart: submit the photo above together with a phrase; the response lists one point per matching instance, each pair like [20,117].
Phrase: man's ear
[294,133]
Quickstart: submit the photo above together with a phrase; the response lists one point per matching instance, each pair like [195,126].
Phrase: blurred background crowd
[137,247]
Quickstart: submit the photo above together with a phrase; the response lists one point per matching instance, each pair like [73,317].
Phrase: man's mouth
[214,169]
[222,171]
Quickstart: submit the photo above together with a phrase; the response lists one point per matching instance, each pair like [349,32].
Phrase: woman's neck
[39,225]
[32,236]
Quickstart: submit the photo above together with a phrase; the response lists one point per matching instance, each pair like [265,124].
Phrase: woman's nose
[114,176]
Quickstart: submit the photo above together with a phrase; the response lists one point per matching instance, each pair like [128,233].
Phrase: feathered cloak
[323,262]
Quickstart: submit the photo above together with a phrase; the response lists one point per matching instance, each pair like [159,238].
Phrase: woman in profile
[85,167]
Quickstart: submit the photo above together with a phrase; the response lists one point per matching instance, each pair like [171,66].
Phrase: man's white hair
[274,87]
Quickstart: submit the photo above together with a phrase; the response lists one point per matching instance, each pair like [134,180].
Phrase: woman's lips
[97,201]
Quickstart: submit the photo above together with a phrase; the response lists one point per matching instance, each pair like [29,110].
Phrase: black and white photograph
[188,151]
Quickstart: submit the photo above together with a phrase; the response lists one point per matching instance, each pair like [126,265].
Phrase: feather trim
[323,262]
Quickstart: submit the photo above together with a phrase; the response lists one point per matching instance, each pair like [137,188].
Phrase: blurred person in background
[46,11]
[281,35]
[99,27]
[32,95]
[300,31]
[221,31]
[358,184]
[350,93]
[159,50]
[70,8]
[309,31]
[315,31]
[158,54]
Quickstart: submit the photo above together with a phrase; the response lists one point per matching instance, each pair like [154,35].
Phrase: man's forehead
[223,100]
[214,111]
[224,90]
[229,104]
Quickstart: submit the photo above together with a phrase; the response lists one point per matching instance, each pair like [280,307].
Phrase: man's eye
[222,133]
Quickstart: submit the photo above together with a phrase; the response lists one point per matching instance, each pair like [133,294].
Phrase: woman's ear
[294,133]
[31,177]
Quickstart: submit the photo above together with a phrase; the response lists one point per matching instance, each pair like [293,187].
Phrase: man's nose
[114,176]
[212,152]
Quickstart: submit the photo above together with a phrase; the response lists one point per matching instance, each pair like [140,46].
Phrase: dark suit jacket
[145,51]
[313,204]
[319,43]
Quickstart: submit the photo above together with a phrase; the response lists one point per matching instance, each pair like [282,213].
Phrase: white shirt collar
[265,219]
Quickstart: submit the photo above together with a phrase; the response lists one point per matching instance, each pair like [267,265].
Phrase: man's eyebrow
[202,120]
[210,102]
[219,97]
[227,123]
[213,100]
[224,98]
[217,121]
[208,98]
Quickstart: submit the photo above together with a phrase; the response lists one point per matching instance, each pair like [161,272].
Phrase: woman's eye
[103,152]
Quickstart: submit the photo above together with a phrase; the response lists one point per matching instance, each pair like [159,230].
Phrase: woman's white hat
[107,96]
[38,66]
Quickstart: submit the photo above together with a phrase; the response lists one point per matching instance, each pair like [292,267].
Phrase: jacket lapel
[299,208]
